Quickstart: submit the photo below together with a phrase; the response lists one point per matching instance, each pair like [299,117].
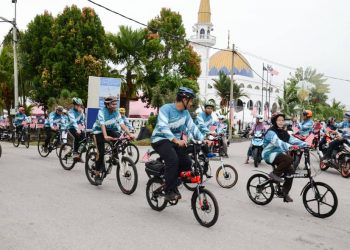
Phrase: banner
[99,88]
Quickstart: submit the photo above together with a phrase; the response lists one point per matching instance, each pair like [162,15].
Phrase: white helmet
[260,118]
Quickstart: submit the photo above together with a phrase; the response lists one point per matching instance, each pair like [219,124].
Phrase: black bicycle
[126,172]
[127,148]
[54,145]
[21,137]
[66,150]
[319,199]
[203,202]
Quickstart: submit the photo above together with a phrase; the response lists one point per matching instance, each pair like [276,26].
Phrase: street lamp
[15,69]
[243,116]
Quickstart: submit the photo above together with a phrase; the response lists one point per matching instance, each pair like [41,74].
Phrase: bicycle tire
[67,156]
[127,175]
[89,167]
[205,206]
[316,186]
[41,143]
[345,169]
[15,139]
[151,197]
[220,172]
[269,196]
[131,150]
[26,139]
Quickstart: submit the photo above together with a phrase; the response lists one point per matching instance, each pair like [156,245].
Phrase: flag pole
[262,92]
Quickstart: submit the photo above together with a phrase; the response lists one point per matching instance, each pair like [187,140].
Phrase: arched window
[202,32]
[250,105]
[271,89]
[274,108]
[264,88]
[241,85]
[249,86]
[258,106]
[257,87]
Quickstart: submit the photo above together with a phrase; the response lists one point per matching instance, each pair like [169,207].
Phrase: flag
[264,68]
[272,71]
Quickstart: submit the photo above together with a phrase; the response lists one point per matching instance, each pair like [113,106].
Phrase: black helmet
[275,116]
[110,99]
[184,92]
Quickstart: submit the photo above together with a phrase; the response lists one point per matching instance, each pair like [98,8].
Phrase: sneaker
[171,195]
[287,198]
[98,180]
[45,149]
[275,177]
[178,193]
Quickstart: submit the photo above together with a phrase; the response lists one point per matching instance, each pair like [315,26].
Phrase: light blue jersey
[204,122]
[274,146]
[19,118]
[171,123]
[305,127]
[345,125]
[53,120]
[75,119]
[64,122]
[112,121]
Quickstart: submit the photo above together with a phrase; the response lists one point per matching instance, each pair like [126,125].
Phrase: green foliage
[6,76]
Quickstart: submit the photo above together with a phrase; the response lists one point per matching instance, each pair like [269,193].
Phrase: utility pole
[15,68]
[231,92]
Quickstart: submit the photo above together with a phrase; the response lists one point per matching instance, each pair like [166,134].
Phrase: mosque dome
[222,61]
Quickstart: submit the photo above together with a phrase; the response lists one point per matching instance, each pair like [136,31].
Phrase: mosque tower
[202,36]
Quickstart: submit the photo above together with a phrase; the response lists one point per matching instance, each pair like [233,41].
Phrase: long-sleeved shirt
[305,127]
[346,126]
[75,119]
[111,121]
[127,122]
[220,127]
[172,123]
[274,146]
[19,118]
[257,127]
[204,122]
[53,120]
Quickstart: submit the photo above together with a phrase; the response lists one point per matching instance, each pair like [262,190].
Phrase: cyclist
[306,126]
[167,139]
[64,125]
[277,142]
[106,128]
[340,140]
[76,118]
[125,119]
[221,128]
[205,120]
[20,118]
[52,123]
[257,126]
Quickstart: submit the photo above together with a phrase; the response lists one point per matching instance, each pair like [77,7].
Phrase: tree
[6,77]
[290,99]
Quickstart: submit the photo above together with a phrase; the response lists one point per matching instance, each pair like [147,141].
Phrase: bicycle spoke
[324,194]
[325,203]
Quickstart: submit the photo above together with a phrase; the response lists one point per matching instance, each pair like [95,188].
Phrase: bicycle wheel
[323,166]
[127,175]
[345,169]
[26,139]
[320,200]
[205,207]
[41,148]
[90,165]
[260,195]
[15,139]
[66,156]
[155,194]
[0,150]
[132,151]
[226,176]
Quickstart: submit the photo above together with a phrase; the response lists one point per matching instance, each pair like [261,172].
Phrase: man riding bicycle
[174,120]
[106,128]
[307,124]
[205,120]
[76,118]
[277,142]
[20,118]
[52,123]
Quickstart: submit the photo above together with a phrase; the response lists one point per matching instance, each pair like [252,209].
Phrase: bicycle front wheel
[43,152]
[132,151]
[26,139]
[127,175]
[226,176]
[15,139]
[320,200]
[205,207]
[66,156]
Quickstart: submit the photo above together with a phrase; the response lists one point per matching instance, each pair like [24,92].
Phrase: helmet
[122,110]
[307,113]
[275,116]
[209,103]
[59,109]
[186,93]
[110,99]
[64,111]
[260,118]
[77,101]
[347,114]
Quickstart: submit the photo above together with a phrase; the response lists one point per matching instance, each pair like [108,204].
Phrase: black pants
[284,166]
[322,142]
[176,160]
[19,129]
[48,136]
[77,139]
[100,141]
[334,145]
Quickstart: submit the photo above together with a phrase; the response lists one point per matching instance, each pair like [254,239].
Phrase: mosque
[245,108]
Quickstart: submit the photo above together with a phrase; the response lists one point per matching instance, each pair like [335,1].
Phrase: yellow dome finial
[204,14]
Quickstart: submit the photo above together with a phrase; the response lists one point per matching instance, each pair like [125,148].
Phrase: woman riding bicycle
[277,142]
[106,128]
[52,123]
[173,121]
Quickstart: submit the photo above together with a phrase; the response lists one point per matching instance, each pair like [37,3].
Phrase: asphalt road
[43,206]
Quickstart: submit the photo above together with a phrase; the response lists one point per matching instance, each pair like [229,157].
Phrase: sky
[296,33]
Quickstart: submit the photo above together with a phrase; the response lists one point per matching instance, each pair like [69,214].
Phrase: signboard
[99,88]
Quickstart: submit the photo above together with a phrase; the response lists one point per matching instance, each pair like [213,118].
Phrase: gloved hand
[294,147]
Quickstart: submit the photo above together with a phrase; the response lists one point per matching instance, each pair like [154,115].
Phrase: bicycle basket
[155,168]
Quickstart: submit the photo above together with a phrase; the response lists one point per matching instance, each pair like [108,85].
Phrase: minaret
[202,36]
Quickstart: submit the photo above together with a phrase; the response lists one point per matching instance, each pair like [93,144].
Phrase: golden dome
[222,61]
[204,12]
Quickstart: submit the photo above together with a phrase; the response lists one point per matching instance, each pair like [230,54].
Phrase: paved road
[43,206]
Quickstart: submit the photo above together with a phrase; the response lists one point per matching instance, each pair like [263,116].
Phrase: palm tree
[290,100]
[128,45]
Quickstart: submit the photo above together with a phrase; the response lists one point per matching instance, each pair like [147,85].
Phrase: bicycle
[55,143]
[126,172]
[66,150]
[262,189]
[22,136]
[127,148]
[203,202]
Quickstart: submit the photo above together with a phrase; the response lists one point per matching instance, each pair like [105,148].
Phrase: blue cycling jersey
[19,118]
[172,123]
[75,118]
[112,121]
[54,119]
[306,127]
[204,122]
